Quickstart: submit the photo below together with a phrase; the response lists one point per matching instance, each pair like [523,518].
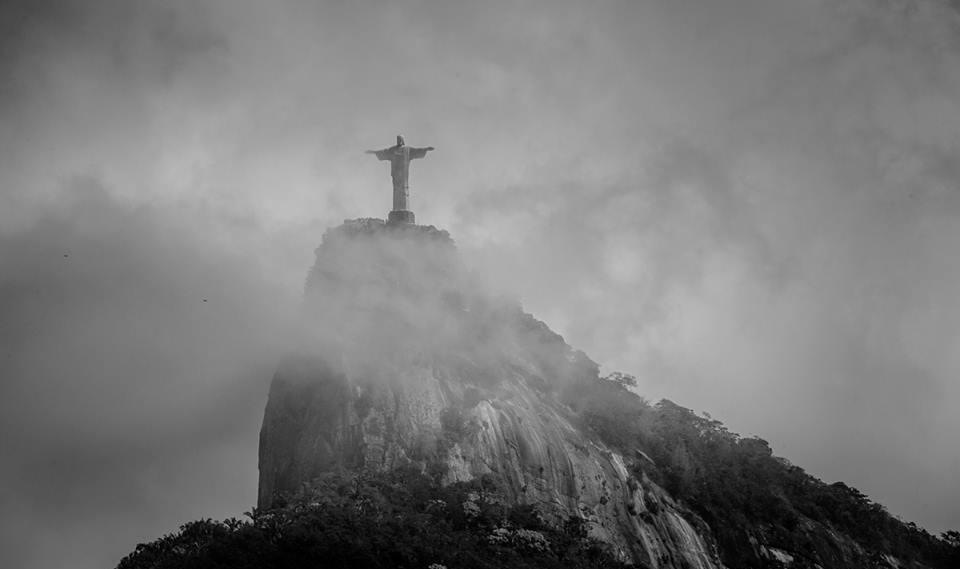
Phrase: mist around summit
[749,206]
[423,421]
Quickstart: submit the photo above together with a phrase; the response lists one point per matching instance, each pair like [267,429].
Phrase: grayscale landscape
[668,283]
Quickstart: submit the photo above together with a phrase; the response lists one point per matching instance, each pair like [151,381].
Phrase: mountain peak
[423,421]
[415,366]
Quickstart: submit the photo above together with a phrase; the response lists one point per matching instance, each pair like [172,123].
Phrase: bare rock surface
[405,362]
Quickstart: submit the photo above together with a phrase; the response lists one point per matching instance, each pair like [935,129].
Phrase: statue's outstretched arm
[419,152]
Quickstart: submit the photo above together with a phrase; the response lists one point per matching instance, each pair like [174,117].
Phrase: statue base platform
[401,216]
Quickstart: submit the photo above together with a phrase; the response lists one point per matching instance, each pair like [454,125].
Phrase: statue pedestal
[401,216]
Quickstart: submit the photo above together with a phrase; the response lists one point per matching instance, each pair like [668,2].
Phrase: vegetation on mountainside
[744,492]
[398,519]
[405,518]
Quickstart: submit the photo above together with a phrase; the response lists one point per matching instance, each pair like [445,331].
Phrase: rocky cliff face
[405,361]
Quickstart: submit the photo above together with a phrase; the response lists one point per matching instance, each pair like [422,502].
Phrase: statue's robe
[400,157]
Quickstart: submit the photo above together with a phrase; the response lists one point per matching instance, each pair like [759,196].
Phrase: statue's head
[399,140]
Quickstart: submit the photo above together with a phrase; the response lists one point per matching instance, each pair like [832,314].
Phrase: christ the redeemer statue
[400,156]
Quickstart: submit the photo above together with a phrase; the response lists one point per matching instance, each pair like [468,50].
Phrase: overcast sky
[751,205]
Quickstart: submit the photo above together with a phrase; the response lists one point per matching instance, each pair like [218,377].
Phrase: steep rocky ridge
[405,361]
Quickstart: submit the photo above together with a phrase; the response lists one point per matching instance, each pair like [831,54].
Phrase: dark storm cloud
[152,41]
[134,357]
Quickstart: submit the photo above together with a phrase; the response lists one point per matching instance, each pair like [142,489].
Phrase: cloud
[782,261]
[749,205]
[135,365]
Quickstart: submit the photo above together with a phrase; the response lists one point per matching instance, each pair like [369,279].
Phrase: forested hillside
[762,510]
[390,520]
